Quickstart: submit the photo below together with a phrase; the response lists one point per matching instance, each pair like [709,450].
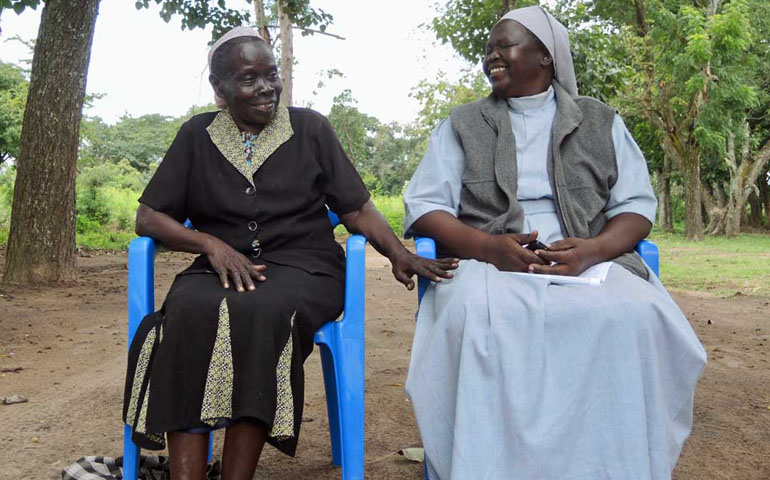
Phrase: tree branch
[311,30]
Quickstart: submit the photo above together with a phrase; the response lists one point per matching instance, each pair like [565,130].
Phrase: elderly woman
[227,347]
[515,375]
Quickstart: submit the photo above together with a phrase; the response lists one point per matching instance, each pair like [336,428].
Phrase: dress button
[250,190]
[253,226]
[255,243]
[256,252]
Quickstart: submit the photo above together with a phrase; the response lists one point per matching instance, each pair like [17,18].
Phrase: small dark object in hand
[536,245]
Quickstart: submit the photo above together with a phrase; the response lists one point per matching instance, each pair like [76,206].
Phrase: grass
[718,265]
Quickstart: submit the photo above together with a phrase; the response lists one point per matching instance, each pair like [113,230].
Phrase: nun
[567,359]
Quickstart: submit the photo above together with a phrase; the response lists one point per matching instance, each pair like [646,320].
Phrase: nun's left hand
[571,256]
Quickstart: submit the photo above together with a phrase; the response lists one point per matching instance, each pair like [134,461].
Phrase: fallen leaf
[413,454]
[11,370]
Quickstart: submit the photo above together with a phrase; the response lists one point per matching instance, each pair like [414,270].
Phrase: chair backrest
[333,218]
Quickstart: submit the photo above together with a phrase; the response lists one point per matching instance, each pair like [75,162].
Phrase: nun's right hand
[507,253]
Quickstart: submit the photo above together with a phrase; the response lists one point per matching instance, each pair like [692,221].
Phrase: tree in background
[690,63]
[41,243]
[13,99]
[354,129]
[141,141]
[439,97]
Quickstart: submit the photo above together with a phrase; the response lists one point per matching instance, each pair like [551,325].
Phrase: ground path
[70,343]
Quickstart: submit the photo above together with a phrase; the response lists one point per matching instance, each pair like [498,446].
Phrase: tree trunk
[693,221]
[665,203]
[744,169]
[287,53]
[715,209]
[755,211]
[259,11]
[764,194]
[41,244]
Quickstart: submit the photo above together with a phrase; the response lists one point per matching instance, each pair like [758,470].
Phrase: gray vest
[582,168]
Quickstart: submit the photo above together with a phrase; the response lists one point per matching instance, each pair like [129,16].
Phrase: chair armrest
[426,247]
[649,253]
[141,281]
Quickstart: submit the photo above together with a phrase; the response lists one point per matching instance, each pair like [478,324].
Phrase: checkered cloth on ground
[151,467]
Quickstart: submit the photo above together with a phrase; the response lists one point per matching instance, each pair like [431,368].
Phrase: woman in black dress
[227,347]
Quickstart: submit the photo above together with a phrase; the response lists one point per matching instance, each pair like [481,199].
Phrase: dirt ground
[70,344]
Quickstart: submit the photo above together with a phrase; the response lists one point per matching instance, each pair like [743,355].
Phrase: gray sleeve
[437,182]
[633,191]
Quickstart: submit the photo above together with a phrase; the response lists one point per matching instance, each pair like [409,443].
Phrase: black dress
[212,354]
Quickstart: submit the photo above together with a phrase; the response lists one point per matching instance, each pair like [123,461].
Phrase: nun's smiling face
[516,63]
[251,86]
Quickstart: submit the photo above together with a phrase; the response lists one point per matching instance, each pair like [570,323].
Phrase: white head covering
[233,33]
[555,38]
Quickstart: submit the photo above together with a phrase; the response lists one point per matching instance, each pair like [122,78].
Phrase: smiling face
[249,84]
[516,63]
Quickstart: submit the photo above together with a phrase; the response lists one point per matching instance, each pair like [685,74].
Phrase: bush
[7,180]
[107,194]
[391,207]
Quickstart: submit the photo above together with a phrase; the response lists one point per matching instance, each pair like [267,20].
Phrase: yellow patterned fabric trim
[136,387]
[218,393]
[283,425]
[226,136]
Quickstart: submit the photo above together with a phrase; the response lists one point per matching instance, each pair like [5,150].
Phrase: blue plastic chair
[426,247]
[341,344]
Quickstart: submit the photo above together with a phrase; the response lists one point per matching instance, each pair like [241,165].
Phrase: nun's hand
[232,265]
[571,256]
[507,253]
[406,265]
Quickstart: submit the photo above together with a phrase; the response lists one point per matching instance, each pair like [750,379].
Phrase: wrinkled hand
[573,256]
[406,265]
[227,262]
[507,253]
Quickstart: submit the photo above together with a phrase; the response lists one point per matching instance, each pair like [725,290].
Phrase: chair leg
[351,383]
[130,456]
[332,402]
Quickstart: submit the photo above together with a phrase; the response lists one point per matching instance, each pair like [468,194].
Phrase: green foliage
[392,208]
[596,50]
[439,97]
[465,24]
[354,128]
[13,100]
[19,6]
[7,181]
[106,195]
[200,13]
[141,141]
